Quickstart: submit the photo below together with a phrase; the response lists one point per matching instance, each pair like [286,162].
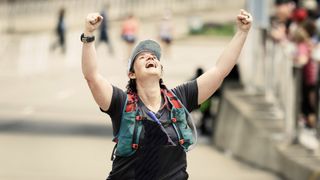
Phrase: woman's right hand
[93,21]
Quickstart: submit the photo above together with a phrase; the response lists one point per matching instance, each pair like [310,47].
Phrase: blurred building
[30,15]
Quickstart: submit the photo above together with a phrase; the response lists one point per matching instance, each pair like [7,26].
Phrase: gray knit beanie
[144,46]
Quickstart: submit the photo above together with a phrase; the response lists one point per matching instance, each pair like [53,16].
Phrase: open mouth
[151,65]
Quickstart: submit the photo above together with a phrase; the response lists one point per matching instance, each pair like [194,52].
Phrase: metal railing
[266,68]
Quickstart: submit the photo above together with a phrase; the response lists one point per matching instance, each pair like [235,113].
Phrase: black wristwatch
[86,39]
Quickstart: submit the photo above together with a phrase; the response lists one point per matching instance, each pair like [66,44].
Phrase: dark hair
[132,85]
[280,2]
[310,27]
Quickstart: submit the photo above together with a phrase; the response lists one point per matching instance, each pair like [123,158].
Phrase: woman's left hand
[244,21]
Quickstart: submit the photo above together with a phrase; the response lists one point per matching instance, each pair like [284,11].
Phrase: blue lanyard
[155,119]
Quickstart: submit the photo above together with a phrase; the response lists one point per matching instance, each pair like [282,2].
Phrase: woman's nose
[150,58]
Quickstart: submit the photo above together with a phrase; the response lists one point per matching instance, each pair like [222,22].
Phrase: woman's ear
[132,75]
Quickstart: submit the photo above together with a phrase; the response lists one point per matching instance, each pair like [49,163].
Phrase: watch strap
[86,39]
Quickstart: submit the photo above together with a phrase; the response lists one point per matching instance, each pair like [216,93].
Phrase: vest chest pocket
[125,136]
[182,127]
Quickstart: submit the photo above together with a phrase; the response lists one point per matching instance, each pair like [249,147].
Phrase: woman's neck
[150,94]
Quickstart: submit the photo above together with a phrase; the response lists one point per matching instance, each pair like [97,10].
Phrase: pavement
[50,127]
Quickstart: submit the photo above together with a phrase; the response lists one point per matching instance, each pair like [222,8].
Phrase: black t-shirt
[187,93]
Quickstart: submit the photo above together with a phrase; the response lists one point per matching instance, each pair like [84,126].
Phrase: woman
[150,122]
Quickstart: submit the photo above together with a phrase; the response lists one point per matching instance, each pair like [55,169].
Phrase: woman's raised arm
[100,88]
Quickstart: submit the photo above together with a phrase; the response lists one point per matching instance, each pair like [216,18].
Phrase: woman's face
[147,64]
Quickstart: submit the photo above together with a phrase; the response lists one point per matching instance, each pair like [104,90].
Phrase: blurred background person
[313,9]
[129,32]
[281,19]
[310,78]
[166,32]
[302,59]
[60,32]
[299,15]
[203,114]
[303,33]
[104,29]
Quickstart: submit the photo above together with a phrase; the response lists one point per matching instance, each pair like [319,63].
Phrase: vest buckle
[115,140]
[135,146]
[138,118]
[181,141]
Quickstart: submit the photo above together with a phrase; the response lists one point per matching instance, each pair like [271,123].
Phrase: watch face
[86,39]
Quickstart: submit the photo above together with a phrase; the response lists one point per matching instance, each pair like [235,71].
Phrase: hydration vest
[127,139]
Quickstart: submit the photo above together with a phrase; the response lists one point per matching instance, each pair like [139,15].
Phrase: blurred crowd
[297,23]
[129,31]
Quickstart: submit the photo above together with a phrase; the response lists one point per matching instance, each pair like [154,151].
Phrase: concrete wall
[253,131]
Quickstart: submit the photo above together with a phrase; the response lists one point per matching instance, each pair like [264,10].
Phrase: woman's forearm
[211,80]
[89,55]
[231,53]
[89,61]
